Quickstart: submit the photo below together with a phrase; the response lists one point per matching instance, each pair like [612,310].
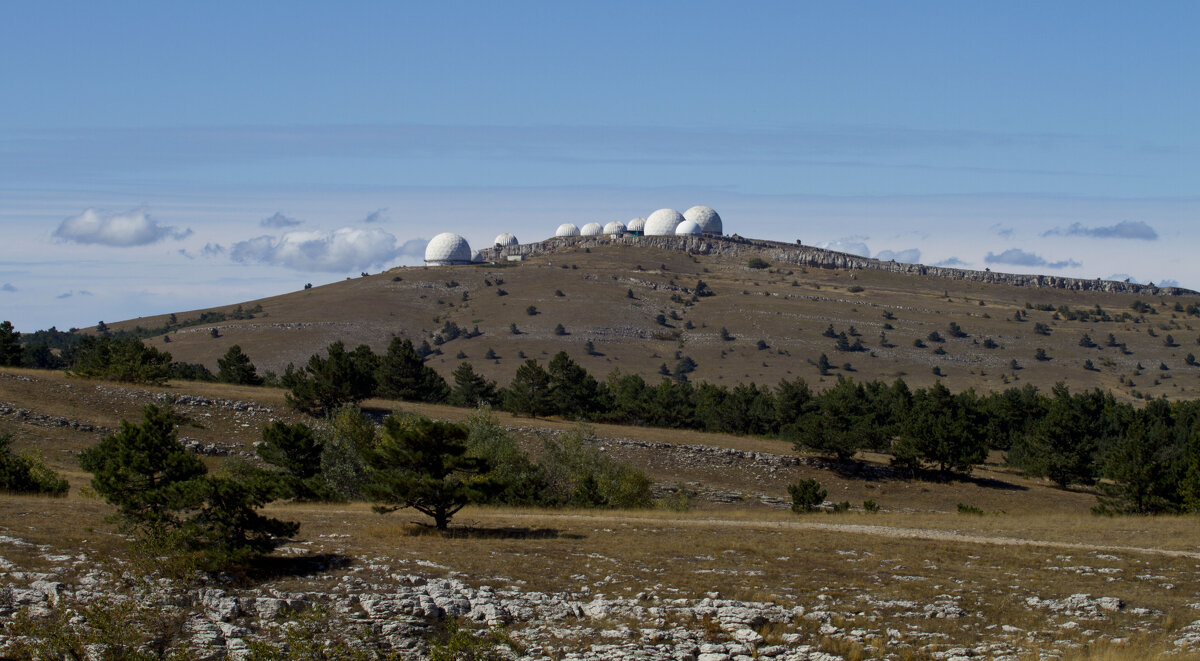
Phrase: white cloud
[1168,282]
[343,250]
[69,294]
[375,216]
[278,220]
[952,261]
[1018,257]
[854,245]
[129,228]
[1000,230]
[910,256]
[1123,277]
[8,287]
[212,250]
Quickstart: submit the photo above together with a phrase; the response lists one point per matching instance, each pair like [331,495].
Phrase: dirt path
[878,531]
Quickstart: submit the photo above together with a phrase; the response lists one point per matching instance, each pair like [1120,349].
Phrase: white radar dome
[476,257]
[591,229]
[636,225]
[505,240]
[567,229]
[708,220]
[688,228]
[663,222]
[614,228]
[447,248]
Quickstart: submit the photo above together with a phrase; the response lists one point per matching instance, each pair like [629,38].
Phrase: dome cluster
[448,248]
[696,221]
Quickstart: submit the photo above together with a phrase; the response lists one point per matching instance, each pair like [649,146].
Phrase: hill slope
[612,293]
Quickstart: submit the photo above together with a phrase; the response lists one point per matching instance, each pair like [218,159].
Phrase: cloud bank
[1123,230]
[278,220]
[129,228]
[343,250]
[1021,258]
[854,245]
[910,256]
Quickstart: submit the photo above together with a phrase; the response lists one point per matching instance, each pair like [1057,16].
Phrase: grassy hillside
[786,308]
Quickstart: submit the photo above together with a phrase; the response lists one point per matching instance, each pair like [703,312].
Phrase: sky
[164,157]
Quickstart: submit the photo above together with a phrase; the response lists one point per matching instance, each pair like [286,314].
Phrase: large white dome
[708,220]
[591,229]
[636,225]
[615,227]
[688,228]
[567,229]
[505,240]
[447,248]
[663,222]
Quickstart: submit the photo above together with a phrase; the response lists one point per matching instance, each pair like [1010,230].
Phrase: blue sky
[159,157]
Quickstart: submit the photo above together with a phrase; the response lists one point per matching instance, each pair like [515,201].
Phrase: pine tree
[327,383]
[423,464]
[235,367]
[529,392]
[574,392]
[10,345]
[402,374]
[471,388]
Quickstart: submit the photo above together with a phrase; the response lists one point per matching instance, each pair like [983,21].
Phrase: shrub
[25,473]
[807,495]
[964,508]
[559,330]
[757,263]
[854,289]
[531,310]
[578,474]
[870,506]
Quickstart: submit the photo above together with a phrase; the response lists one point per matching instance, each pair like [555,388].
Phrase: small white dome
[476,257]
[505,240]
[708,220]
[663,222]
[567,229]
[636,225]
[689,228]
[447,248]
[615,227]
[591,229]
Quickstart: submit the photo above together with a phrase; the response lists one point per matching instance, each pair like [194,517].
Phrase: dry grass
[753,305]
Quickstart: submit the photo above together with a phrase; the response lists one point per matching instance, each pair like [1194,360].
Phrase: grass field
[916,577]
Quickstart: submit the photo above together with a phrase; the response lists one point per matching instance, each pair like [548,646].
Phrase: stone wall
[736,247]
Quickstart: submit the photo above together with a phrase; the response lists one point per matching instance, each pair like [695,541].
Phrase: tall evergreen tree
[529,393]
[235,367]
[470,387]
[574,392]
[403,374]
[326,383]
[942,430]
[10,345]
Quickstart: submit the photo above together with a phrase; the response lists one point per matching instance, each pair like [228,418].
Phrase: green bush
[870,506]
[964,508]
[807,495]
[578,474]
[757,263]
[27,473]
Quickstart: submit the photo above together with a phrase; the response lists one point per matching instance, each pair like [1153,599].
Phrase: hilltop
[770,315]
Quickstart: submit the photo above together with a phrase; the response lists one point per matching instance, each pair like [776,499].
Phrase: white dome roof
[615,227]
[506,240]
[591,229]
[663,222]
[567,229]
[476,257]
[689,228]
[708,220]
[448,248]
[636,225]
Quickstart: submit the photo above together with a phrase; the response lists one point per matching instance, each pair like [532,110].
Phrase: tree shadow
[474,532]
[271,567]
[858,470]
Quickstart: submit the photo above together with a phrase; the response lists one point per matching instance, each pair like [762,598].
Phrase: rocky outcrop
[736,247]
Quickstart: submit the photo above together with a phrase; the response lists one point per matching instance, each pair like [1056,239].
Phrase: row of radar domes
[699,220]
[449,248]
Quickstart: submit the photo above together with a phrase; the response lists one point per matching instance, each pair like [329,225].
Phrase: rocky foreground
[399,607]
